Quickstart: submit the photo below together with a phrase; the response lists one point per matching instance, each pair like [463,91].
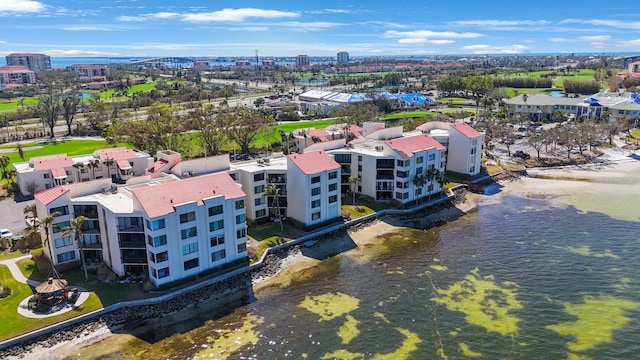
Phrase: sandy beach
[588,187]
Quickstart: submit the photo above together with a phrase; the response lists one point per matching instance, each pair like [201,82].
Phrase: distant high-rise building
[35,62]
[302,60]
[343,57]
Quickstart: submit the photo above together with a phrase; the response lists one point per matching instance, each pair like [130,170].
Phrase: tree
[78,167]
[93,165]
[537,140]
[357,113]
[57,84]
[353,180]
[75,229]
[244,126]
[70,105]
[46,224]
[109,162]
[31,209]
[4,166]
[273,192]
[211,130]
[20,151]
[419,180]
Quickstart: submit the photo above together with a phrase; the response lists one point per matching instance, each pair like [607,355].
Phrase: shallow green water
[523,279]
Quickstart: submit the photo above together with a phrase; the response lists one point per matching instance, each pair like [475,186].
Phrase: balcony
[130,228]
[402,174]
[277,179]
[384,175]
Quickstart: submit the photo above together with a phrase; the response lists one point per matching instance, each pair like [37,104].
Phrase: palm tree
[93,165]
[354,181]
[75,229]
[46,224]
[78,167]
[419,181]
[109,162]
[4,166]
[273,192]
[20,151]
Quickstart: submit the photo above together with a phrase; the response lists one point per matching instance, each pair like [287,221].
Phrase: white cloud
[500,23]
[635,25]
[237,15]
[561,40]
[595,38]
[428,34]
[93,28]
[165,15]
[491,49]
[308,26]
[630,43]
[28,6]
[2,42]
[422,41]
[71,53]
[250,28]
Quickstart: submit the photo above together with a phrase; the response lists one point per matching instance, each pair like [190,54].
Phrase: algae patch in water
[228,341]
[468,352]
[484,302]
[331,305]
[349,330]
[439,267]
[409,345]
[585,250]
[596,320]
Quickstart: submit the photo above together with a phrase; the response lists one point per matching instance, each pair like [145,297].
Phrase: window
[242,247]
[315,215]
[66,256]
[239,204]
[333,198]
[62,242]
[258,177]
[163,273]
[333,187]
[216,225]
[315,203]
[419,160]
[234,176]
[241,233]
[315,179]
[403,163]
[342,158]
[240,219]
[472,169]
[155,224]
[432,157]
[83,171]
[90,240]
[217,240]
[473,151]
[419,170]
[190,264]
[157,241]
[56,228]
[315,191]
[218,255]
[188,233]
[163,256]
[152,257]
[333,175]
[261,213]
[46,176]
[259,201]
[215,210]
[187,217]
[189,248]
[62,210]
[359,157]
[258,189]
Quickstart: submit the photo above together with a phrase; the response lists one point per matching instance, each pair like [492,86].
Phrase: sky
[137,28]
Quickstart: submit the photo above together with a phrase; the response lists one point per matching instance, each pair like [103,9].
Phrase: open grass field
[407,114]
[13,105]
[69,147]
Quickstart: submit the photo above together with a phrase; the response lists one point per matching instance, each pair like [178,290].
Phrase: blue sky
[317,28]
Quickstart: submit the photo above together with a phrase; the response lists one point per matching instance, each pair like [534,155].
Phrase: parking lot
[12,215]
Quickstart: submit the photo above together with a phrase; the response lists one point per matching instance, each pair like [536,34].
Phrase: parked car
[5,233]
[521,154]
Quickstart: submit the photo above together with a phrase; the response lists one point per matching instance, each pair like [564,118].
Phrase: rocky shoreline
[133,316]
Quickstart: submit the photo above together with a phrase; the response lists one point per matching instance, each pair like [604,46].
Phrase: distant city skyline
[147,28]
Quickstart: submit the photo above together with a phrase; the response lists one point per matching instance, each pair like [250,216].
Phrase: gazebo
[53,291]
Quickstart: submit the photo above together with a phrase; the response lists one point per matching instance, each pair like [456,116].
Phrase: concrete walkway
[23,307]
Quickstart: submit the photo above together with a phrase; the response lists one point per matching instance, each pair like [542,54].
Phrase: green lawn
[69,147]
[407,114]
[13,105]
[10,255]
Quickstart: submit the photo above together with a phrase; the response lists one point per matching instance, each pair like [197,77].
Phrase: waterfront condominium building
[302,61]
[35,62]
[89,71]
[17,74]
[390,165]
[466,156]
[342,57]
[313,179]
[44,172]
[162,227]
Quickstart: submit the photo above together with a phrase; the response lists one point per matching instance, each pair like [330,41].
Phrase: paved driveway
[12,215]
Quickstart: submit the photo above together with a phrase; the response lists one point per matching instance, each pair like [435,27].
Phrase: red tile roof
[466,130]
[123,164]
[408,145]
[159,200]
[51,162]
[115,154]
[46,197]
[320,133]
[158,165]
[14,69]
[314,162]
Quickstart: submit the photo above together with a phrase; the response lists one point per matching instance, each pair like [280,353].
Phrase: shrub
[6,291]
